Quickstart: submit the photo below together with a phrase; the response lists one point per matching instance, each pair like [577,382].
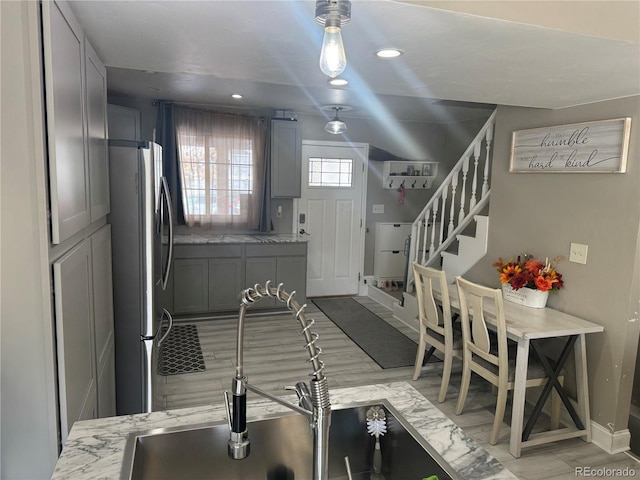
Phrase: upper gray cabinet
[286,157]
[96,104]
[124,122]
[64,90]
[75,93]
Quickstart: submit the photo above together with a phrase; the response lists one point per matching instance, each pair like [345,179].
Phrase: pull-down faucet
[317,407]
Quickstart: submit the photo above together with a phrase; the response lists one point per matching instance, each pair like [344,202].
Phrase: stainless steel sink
[281,449]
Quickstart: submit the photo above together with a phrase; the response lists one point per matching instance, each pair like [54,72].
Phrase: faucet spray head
[239,444]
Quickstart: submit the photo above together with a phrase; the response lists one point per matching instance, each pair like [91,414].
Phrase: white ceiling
[203,51]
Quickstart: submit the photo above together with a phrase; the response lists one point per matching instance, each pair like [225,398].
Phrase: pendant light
[333,14]
[336,126]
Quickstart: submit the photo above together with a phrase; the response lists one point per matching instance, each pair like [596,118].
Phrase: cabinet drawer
[390,264]
[391,236]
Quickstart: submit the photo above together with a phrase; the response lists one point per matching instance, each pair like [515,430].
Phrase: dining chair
[436,325]
[488,353]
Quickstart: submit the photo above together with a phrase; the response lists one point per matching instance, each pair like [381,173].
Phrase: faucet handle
[304,395]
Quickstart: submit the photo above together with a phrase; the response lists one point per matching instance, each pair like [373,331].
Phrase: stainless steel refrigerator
[142,243]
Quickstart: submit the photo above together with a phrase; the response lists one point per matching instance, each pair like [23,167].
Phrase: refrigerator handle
[167,196]
[160,341]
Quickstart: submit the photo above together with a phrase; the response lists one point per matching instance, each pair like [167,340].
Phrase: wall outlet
[279,211]
[578,253]
[378,208]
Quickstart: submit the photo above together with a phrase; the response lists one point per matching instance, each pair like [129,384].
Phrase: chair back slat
[427,279]
[474,302]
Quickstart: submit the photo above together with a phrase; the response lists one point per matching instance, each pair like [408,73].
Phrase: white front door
[330,211]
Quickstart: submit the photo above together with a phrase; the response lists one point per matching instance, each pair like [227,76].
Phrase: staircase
[452,209]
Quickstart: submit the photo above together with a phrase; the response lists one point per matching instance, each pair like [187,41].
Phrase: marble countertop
[95,448]
[185,238]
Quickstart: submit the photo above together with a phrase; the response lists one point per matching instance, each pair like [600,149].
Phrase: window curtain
[166,137]
[266,225]
[222,168]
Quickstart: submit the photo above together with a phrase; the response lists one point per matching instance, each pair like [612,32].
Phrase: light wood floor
[275,357]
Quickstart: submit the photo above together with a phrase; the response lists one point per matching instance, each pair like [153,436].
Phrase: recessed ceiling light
[236,95]
[389,53]
[338,82]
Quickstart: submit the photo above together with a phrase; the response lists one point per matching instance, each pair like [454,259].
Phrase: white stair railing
[429,237]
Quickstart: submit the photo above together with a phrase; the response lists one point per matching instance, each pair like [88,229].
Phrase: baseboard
[610,442]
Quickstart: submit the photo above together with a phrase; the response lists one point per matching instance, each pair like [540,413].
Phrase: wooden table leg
[519,391]
[582,384]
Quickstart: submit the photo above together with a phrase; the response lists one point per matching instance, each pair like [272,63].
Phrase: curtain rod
[209,108]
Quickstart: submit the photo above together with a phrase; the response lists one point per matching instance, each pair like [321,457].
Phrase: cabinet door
[190,285]
[96,109]
[259,270]
[74,336]
[225,283]
[292,271]
[64,85]
[286,155]
[124,123]
[103,319]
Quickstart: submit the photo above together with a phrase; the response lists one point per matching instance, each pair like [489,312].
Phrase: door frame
[363,199]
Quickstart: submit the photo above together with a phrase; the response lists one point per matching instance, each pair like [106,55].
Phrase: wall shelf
[413,175]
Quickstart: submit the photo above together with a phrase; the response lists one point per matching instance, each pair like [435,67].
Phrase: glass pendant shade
[333,59]
[335,126]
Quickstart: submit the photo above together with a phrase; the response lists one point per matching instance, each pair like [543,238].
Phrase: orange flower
[533,266]
[544,284]
[508,272]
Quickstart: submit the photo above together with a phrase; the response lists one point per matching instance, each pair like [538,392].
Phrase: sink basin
[281,449]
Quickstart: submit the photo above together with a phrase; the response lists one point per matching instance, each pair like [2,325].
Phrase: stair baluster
[435,211]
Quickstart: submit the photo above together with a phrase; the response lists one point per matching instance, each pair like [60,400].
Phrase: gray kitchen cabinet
[286,158]
[63,43]
[97,148]
[292,271]
[190,285]
[225,283]
[103,320]
[280,263]
[124,122]
[73,282]
[209,278]
[206,278]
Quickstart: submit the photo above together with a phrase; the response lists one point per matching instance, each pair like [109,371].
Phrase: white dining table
[527,324]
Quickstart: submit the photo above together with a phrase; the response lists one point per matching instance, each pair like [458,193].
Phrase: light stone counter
[195,237]
[95,448]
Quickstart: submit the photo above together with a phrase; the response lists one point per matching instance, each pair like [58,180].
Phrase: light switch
[578,253]
[378,208]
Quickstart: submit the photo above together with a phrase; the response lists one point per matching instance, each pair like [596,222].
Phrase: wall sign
[597,147]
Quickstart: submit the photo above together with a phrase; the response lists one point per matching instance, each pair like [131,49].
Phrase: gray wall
[28,388]
[543,213]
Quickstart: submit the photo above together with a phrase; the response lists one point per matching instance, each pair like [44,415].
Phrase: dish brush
[376,426]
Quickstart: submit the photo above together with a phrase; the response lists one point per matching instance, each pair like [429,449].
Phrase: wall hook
[413,185]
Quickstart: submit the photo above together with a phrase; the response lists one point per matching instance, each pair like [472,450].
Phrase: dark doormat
[386,346]
[181,351]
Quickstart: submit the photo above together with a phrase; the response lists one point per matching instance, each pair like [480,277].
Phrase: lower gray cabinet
[190,285]
[225,284]
[210,278]
[284,263]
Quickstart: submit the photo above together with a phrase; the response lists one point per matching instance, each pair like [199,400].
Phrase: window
[330,172]
[221,168]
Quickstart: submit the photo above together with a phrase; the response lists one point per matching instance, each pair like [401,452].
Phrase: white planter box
[525,296]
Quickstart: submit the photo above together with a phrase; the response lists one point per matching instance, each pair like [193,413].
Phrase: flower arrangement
[531,273]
